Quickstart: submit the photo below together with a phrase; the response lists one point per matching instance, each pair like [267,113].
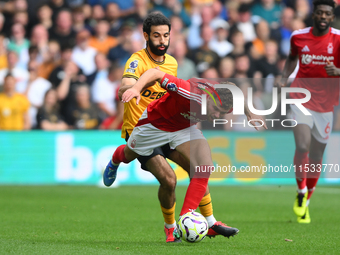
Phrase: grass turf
[127,220]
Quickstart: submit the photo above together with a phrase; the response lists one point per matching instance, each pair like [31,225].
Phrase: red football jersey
[313,52]
[180,107]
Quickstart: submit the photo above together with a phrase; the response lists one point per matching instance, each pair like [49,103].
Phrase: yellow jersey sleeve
[139,63]
[134,67]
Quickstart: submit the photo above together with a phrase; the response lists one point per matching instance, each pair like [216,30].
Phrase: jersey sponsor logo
[189,116]
[305,49]
[330,48]
[133,64]
[172,86]
[320,59]
[165,82]
[153,95]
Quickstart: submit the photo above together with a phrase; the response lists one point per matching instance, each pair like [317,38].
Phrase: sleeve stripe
[130,76]
[190,93]
[190,97]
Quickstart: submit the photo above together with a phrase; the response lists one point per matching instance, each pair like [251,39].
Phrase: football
[192,227]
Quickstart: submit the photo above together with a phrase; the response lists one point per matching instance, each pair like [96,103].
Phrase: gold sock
[169,214]
[206,206]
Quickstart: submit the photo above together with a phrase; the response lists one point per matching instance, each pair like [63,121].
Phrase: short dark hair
[331,3]
[155,19]
[226,96]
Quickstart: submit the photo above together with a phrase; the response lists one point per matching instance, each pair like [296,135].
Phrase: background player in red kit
[172,119]
[318,50]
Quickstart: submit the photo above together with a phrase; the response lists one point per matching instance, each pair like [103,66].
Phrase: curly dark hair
[155,19]
[331,3]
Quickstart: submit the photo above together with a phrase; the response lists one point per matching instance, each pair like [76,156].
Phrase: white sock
[170,225]
[303,191]
[211,220]
[307,203]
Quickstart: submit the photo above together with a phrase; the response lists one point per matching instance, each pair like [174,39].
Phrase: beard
[322,29]
[154,48]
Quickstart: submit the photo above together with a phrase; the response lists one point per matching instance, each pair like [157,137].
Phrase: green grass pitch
[128,220]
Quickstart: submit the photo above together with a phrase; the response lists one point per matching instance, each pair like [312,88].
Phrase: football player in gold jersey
[156,28]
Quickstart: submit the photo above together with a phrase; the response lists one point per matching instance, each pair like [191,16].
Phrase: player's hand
[331,69]
[282,83]
[253,119]
[129,94]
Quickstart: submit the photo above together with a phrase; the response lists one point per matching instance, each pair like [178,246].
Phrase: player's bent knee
[169,183]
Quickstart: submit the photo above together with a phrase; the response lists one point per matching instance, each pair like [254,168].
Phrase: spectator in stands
[62,32]
[20,74]
[219,43]
[3,53]
[104,92]
[83,54]
[22,18]
[302,8]
[102,65]
[263,35]
[19,44]
[173,7]
[72,77]
[285,30]
[57,6]
[2,21]
[186,67]
[48,117]
[97,14]
[244,24]
[122,52]
[78,18]
[201,17]
[267,66]
[101,41]
[237,39]
[243,67]
[35,90]
[204,57]
[141,10]
[269,11]
[176,33]
[50,60]
[227,67]
[13,107]
[232,12]
[44,15]
[113,16]
[85,114]
[39,38]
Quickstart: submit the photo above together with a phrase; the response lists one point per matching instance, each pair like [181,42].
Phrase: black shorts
[163,151]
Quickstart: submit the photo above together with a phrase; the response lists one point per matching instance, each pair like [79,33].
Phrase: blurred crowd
[61,61]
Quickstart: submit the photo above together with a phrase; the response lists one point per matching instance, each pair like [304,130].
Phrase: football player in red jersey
[318,50]
[172,119]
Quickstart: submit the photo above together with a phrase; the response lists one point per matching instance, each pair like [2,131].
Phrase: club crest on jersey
[330,48]
[133,64]
[133,143]
[171,86]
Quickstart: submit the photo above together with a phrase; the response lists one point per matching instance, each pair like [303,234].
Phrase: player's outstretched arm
[288,69]
[146,80]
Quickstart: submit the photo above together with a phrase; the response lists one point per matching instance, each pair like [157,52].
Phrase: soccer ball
[192,227]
